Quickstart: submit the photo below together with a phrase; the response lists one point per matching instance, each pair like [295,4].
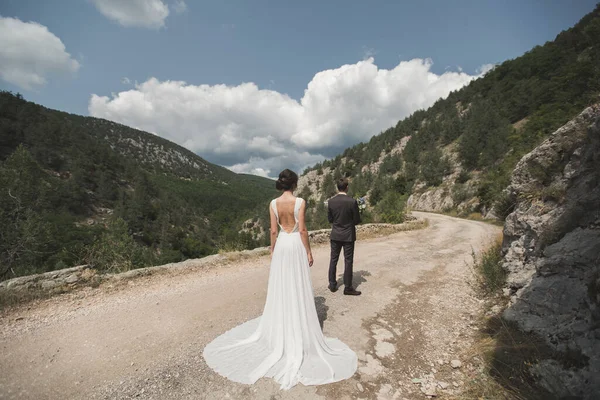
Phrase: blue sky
[279,47]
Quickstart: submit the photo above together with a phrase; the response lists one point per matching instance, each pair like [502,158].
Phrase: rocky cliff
[552,254]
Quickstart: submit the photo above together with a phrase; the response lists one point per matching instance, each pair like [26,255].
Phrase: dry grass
[235,256]
[479,217]
[475,216]
[386,230]
[521,123]
[13,298]
[508,354]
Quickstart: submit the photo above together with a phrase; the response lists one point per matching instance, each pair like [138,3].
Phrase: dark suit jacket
[343,214]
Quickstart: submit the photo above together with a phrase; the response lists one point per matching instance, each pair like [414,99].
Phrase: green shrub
[460,193]
[554,192]
[504,205]
[463,176]
[489,273]
[116,250]
[434,166]
[391,208]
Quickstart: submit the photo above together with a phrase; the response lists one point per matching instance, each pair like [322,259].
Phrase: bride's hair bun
[288,179]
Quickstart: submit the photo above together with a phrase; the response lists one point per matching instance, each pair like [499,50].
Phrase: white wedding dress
[286,343]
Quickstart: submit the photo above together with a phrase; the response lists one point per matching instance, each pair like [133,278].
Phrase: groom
[342,213]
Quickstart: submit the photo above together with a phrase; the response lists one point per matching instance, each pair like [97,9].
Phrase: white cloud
[29,52]
[485,68]
[351,103]
[136,13]
[247,169]
[262,131]
[271,166]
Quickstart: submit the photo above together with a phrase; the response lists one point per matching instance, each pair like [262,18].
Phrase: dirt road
[145,339]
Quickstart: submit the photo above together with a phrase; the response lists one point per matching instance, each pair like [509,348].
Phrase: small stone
[372,367]
[496,309]
[416,380]
[443,385]
[12,284]
[429,389]
[384,349]
[385,392]
[360,387]
[455,364]
[49,285]
[454,384]
[440,362]
[72,278]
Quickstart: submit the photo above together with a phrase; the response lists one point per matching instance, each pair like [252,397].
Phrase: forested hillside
[84,190]
[462,150]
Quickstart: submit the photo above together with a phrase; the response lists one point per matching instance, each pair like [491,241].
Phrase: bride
[286,342]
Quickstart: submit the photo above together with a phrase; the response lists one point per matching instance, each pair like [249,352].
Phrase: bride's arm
[273,230]
[304,232]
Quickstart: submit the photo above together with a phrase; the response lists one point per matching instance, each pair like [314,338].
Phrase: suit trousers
[336,247]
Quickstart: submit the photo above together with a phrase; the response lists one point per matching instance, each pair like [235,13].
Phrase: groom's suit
[343,214]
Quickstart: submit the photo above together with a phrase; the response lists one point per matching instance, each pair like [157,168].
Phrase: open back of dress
[286,342]
[290,215]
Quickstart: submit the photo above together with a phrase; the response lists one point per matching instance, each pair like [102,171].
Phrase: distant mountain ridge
[89,185]
[152,151]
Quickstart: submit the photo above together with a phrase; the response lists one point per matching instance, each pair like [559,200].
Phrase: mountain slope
[151,151]
[79,189]
[458,154]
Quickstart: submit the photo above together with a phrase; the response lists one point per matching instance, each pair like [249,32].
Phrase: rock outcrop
[435,200]
[452,196]
[53,281]
[552,254]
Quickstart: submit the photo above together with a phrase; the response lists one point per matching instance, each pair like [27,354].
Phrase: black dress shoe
[333,288]
[351,292]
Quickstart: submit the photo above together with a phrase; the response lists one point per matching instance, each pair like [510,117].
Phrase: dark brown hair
[288,180]
[342,184]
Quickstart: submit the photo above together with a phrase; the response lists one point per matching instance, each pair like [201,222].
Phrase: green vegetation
[77,190]
[391,208]
[490,124]
[489,274]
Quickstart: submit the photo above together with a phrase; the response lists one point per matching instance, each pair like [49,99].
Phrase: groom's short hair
[342,184]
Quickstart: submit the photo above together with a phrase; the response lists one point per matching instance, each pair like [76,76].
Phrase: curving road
[145,339]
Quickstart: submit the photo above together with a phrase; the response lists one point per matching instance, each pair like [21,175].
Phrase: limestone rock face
[451,195]
[552,253]
[436,200]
